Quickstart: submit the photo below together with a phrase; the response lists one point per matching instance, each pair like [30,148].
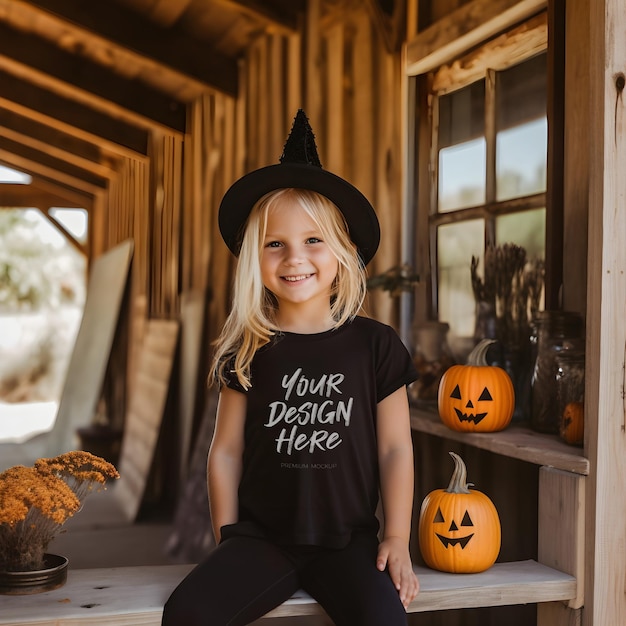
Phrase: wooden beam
[46,172]
[111,31]
[25,133]
[166,12]
[553,288]
[32,58]
[76,198]
[500,53]
[69,143]
[605,375]
[467,26]
[71,115]
[52,162]
[26,196]
[390,26]
[284,20]
[81,247]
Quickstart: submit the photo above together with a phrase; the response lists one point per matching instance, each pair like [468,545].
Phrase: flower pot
[51,577]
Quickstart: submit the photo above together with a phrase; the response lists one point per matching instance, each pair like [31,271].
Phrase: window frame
[511,47]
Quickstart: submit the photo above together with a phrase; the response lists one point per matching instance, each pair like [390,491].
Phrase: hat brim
[244,193]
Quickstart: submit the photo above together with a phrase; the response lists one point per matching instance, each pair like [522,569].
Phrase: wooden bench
[134,596]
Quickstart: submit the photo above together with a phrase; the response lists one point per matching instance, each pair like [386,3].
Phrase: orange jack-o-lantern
[476,397]
[459,528]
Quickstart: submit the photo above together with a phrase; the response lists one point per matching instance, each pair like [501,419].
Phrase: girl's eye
[273,244]
[313,240]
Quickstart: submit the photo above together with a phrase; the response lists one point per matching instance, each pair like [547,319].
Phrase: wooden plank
[10,144]
[57,140]
[553,282]
[510,48]
[286,18]
[558,614]
[577,149]
[32,58]
[467,26]
[515,441]
[73,117]
[111,31]
[561,523]
[15,195]
[49,150]
[44,171]
[605,409]
[313,77]
[334,78]
[147,403]
[135,595]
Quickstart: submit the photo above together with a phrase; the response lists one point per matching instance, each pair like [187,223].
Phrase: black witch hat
[300,168]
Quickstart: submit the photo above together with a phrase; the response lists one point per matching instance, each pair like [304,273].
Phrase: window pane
[9,175]
[456,244]
[461,146]
[521,93]
[75,221]
[462,170]
[521,129]
[526,229]
[521,160]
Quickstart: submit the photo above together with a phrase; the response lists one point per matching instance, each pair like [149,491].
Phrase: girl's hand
[393,553]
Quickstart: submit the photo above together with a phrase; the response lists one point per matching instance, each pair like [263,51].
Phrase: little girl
[313,419]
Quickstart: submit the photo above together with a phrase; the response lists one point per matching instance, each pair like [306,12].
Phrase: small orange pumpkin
[476,397]
[459,528]
[572,425]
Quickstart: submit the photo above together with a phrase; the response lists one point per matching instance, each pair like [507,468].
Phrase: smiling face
[297,264]
[453,535]
[470,410]
[459,533]
[476,398]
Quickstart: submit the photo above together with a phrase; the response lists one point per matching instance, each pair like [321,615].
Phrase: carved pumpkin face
[459,528]
[476,398]
[471,411]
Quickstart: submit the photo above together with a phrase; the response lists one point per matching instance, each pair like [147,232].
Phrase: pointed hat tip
[300,145]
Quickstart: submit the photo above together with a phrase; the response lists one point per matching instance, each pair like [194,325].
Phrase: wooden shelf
[515,441]
[135,595]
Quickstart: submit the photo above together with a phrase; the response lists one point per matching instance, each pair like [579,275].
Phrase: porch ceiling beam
[285,20]
[26,196]
[112,31]
[73,117]
[31,162]
[464,28]
[46,65]
[57,144]
[50,176]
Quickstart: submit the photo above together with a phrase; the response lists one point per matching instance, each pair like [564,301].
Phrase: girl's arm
[225,459]
[395,457]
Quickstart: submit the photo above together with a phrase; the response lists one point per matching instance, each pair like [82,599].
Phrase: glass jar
[554,333]
[570,391]
[432,357]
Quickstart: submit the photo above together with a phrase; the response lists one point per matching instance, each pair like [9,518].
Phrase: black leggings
[245,577]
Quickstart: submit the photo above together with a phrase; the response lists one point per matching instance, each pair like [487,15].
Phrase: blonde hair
[251,322]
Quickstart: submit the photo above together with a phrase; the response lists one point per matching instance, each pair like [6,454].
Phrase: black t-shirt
[310,465]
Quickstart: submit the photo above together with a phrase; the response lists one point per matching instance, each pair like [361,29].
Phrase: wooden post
[605,410]
[561,536]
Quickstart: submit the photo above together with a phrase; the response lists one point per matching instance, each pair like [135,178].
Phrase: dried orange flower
[36,501]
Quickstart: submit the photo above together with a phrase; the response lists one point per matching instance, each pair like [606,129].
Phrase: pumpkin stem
[478,356]
[458,482]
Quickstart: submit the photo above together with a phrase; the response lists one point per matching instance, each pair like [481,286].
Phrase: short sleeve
[394,365]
